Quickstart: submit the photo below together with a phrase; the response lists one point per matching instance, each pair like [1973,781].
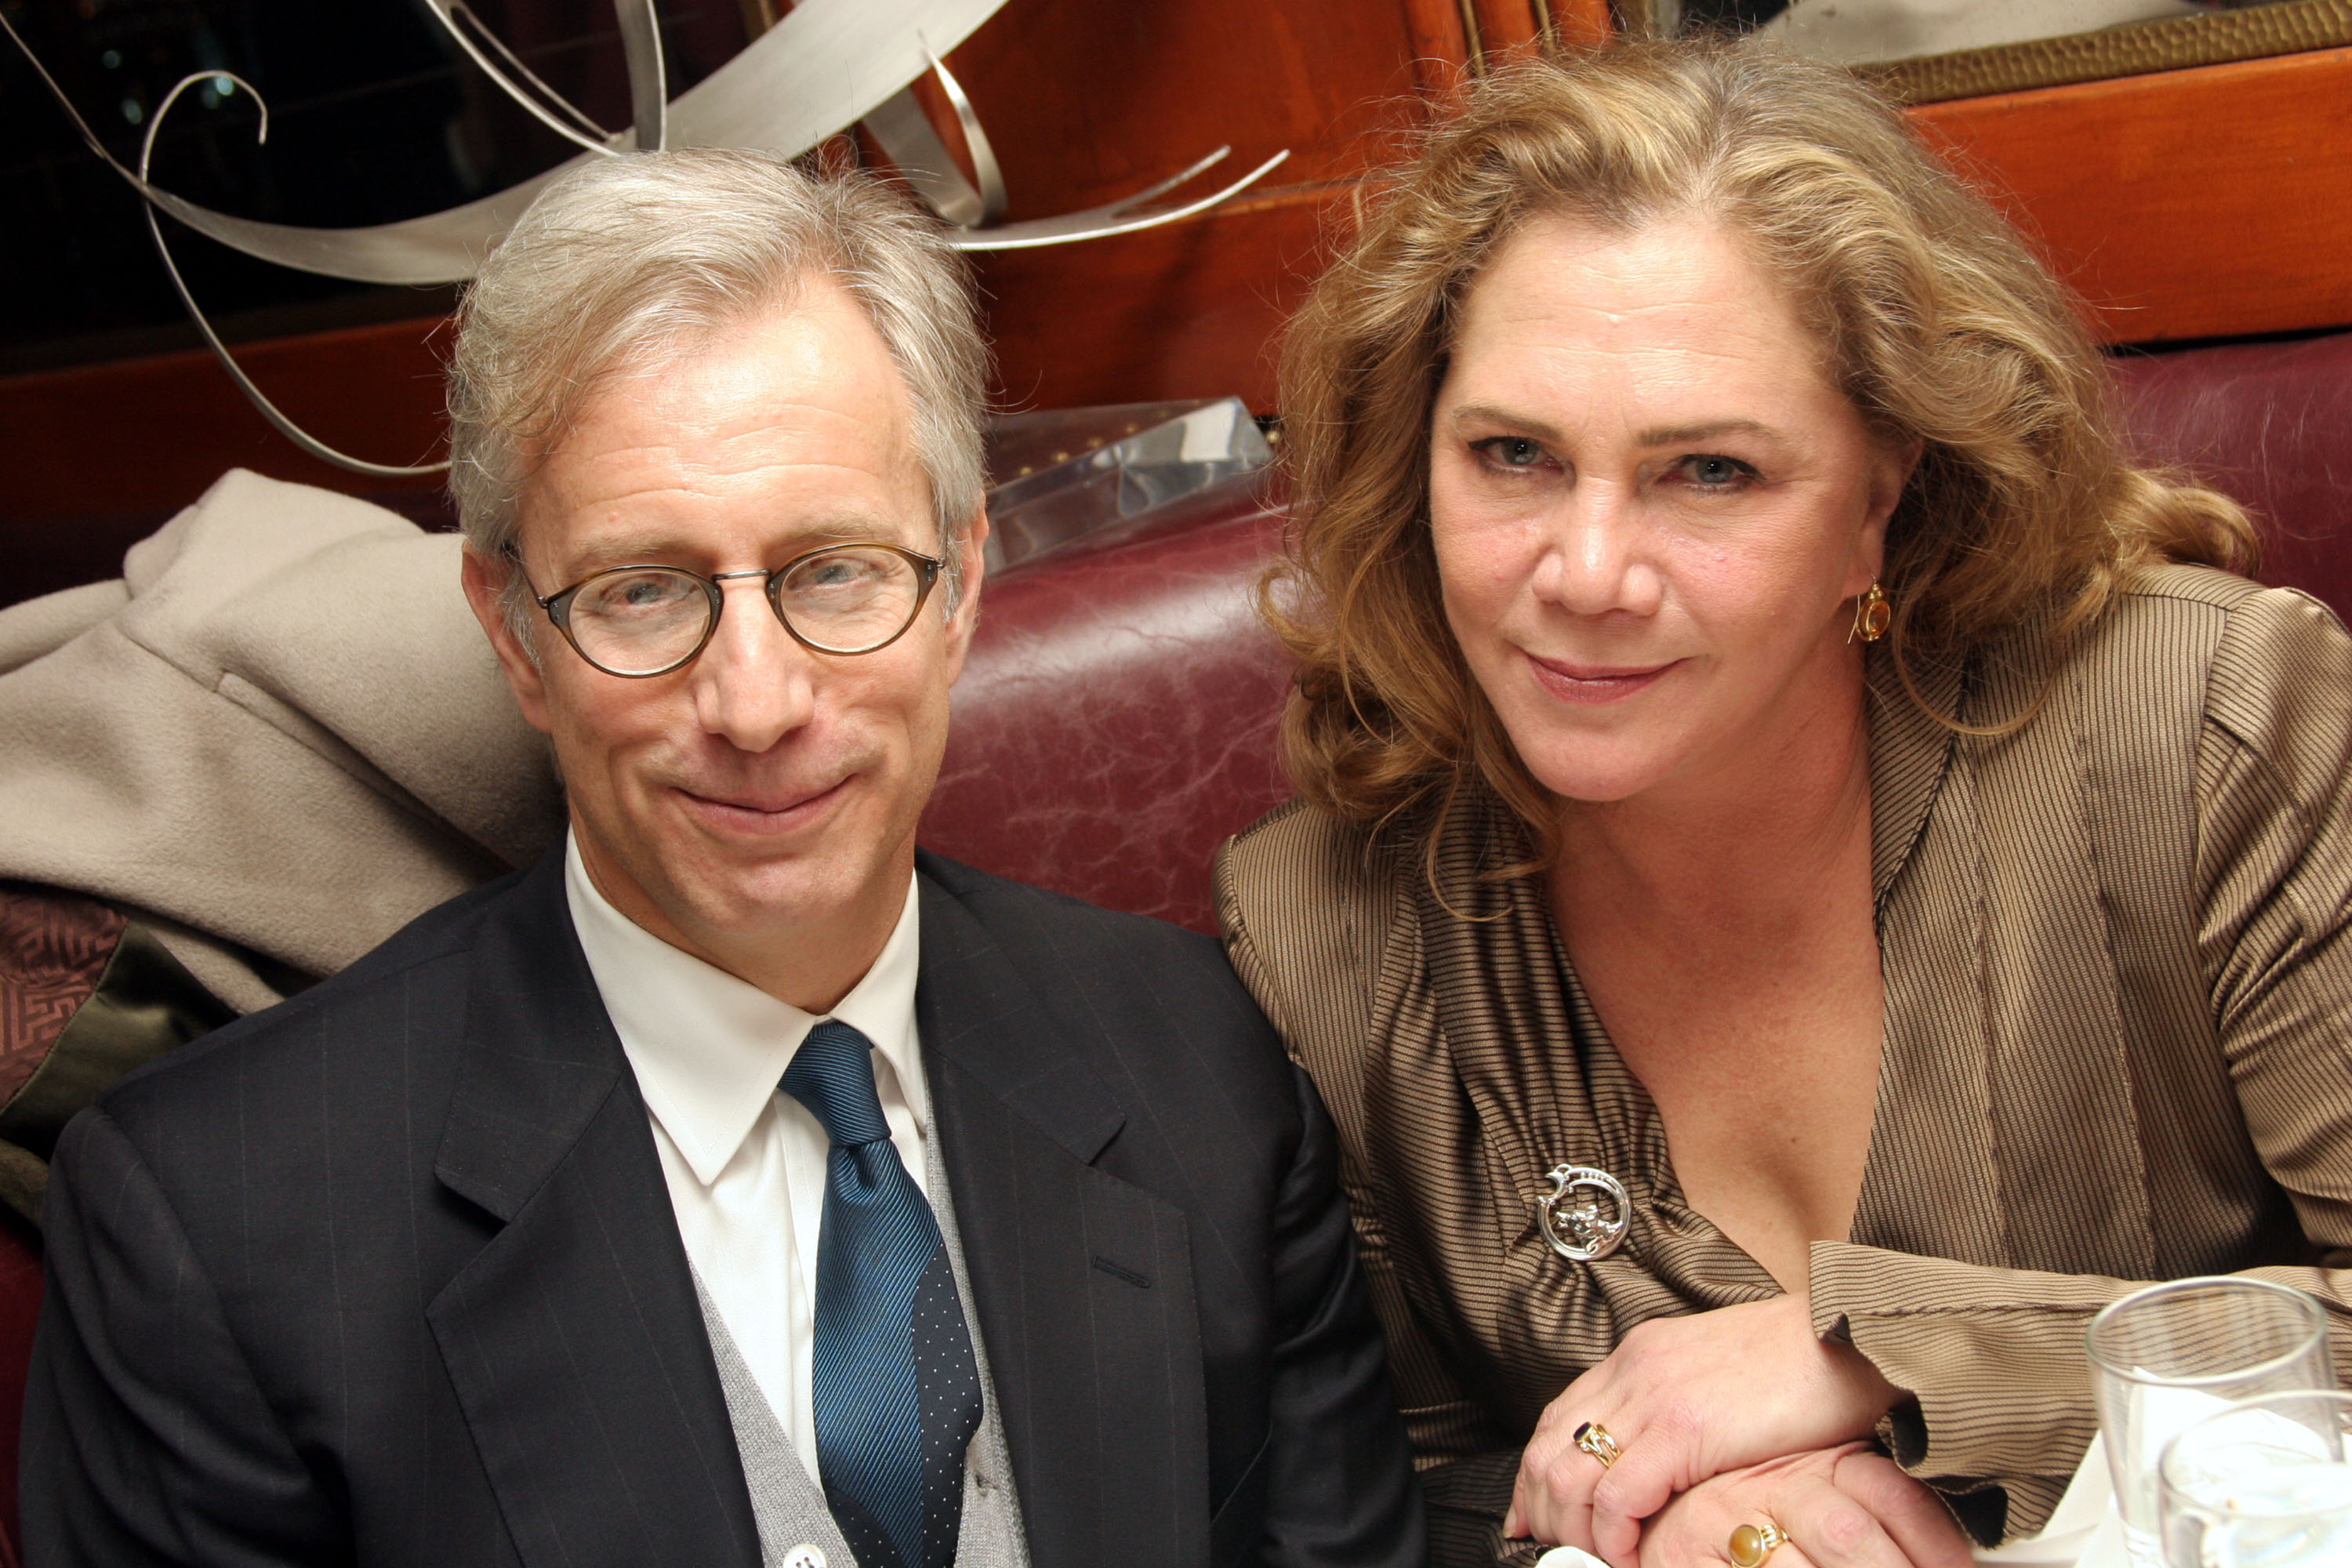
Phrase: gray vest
[791,1509]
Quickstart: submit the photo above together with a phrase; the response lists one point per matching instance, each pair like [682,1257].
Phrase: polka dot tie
[897,1389]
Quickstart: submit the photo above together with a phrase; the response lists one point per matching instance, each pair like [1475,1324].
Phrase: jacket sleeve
[1336,1473]
[1994,1357]
[146,1439]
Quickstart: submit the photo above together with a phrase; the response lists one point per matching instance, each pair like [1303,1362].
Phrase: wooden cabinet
[2209,203]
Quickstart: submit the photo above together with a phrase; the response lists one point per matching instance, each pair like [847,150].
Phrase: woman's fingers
[1641,1483]
[1837,1507]
[1918,1519]
[1698,1395]
[1553,1524]
[1835,1531]
[1695,1531]
[1552,1498]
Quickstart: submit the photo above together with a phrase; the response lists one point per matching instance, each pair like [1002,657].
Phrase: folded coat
[271,743]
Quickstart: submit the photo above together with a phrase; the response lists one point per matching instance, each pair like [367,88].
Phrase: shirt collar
[708,1048]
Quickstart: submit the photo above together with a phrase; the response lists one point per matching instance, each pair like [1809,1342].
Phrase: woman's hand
[1688,1399]
[1841,1507]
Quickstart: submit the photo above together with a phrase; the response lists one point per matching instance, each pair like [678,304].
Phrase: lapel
[1082,1282]
[1909,754]
[574,1338]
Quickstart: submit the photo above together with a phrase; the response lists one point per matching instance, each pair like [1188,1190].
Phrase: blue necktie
[897,1389]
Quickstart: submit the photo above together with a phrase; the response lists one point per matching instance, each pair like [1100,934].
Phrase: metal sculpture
[825,66]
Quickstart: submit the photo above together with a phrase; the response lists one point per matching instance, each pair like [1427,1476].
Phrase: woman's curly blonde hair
[1934,317]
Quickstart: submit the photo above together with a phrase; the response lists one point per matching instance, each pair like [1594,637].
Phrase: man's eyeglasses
[643,621]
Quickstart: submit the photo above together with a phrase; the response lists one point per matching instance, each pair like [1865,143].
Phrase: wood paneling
[152,433]
[1507,27]
[1439,38]
[1188,310]
[1581,23]
[1513,29]
[1085,101]
[2193,204]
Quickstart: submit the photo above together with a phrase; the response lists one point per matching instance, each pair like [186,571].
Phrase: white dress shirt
[745,1161]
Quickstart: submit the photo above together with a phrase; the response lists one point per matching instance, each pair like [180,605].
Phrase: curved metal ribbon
[571,125]
[253,394]
[827,64]
[648,78]
[904,132]
[1112,217]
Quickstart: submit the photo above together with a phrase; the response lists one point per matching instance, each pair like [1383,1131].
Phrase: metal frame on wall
[2175,43]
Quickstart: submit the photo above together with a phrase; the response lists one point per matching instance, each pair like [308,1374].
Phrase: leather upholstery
[1117,718]
[2269,424]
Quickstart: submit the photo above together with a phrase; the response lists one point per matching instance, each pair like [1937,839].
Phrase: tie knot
[833,1075]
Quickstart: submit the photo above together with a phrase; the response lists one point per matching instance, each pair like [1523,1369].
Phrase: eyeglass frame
[928,569]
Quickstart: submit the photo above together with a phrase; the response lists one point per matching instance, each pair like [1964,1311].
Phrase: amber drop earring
[1872,615]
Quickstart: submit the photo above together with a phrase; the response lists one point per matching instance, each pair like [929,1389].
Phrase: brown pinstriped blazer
[2119,1048]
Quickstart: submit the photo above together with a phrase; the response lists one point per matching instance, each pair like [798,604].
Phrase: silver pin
[1587,1213]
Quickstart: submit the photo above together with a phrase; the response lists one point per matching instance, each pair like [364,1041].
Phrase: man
[739,1185]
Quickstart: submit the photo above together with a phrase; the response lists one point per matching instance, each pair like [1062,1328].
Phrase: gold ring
[1595,1439]
[1751,1543]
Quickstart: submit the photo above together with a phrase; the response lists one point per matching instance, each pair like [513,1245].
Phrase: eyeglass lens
[643,620]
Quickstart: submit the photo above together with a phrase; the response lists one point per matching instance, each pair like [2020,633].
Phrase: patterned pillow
[87,994]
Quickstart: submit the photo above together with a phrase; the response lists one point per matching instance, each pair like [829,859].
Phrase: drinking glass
[2260,1484]
[2164,1357]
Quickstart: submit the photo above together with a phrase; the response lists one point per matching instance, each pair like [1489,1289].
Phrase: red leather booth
[1117,718]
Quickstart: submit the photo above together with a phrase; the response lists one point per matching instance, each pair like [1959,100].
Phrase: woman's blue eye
[1715,473]
[1514,451]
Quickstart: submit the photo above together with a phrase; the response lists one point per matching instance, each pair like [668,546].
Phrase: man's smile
[765,811]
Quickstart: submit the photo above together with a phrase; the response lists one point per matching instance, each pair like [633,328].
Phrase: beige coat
[2118,1048]
[277,739]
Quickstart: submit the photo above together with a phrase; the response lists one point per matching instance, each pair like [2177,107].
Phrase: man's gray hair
[627,263]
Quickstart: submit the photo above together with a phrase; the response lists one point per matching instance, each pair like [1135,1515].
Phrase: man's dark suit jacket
[389,1273]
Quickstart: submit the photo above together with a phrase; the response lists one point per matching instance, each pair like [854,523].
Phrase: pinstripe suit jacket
[2119,1048]
[388,1274]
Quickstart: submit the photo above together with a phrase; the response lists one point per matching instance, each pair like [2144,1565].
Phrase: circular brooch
[1587,1213]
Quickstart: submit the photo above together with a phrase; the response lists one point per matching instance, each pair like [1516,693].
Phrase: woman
[1775,777]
